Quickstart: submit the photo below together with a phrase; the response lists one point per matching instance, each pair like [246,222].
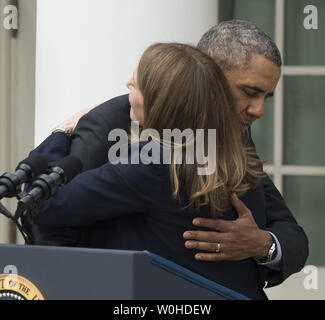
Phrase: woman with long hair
[148,206]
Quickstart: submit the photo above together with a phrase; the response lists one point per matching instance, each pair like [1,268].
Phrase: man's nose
[256,109]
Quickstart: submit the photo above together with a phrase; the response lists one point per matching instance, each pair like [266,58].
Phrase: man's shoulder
[119,105]
[90,141]
[112,114]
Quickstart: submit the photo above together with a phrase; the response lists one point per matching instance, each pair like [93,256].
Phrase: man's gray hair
[233,43]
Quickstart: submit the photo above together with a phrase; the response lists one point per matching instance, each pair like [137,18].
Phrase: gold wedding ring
[218,248]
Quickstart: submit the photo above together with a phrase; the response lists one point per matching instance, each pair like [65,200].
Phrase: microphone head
[37,162]
[71,165]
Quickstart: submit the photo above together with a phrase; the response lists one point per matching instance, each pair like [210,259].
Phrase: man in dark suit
[252,64]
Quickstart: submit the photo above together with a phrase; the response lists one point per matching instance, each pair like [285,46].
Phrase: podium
[61,273]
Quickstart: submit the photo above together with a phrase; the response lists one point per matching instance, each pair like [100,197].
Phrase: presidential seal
[15,287]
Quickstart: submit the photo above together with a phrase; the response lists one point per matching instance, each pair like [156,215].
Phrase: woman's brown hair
[184,88]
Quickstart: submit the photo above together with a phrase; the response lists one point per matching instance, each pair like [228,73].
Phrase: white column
[5,113]
[87,49]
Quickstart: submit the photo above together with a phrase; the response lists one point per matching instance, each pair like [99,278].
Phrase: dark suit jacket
[133,208]
[91,145]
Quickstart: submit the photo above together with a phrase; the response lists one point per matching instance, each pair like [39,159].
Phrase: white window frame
[278,169]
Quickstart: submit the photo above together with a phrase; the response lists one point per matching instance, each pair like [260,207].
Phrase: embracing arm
[90,136]
[96,195]
[89,143]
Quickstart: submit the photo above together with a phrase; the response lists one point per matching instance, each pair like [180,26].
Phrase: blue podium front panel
[77,274]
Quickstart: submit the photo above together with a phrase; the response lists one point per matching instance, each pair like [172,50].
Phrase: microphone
[26,171]
[46,185]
